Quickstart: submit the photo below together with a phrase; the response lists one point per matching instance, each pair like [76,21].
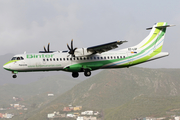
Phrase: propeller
[46,50]
[71,49]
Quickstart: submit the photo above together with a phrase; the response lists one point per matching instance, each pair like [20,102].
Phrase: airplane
[92,58]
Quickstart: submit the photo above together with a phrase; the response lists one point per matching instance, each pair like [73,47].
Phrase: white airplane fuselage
[92,58]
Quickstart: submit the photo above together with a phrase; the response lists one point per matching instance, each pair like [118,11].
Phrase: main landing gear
[87,73]
[75,74]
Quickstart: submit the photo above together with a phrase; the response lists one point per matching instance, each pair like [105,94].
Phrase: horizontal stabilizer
[160,27]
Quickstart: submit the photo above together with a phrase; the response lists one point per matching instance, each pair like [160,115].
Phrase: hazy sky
[28,25]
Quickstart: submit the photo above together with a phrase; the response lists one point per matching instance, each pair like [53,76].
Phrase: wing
[104,47]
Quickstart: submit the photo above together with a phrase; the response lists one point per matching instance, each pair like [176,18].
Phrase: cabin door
[130,57]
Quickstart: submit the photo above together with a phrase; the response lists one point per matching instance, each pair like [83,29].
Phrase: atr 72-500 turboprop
[92,58]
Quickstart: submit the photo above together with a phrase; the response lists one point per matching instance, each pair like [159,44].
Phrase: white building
[51,115]
[87,113]
[96,113]
[50,95]
[80,118]
[177,118]
[70,115]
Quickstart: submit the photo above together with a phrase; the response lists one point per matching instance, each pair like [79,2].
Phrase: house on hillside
[67,109]
[51,115]
[77,108]
[177,118]
[80,118]
[6,115]
[87,113]
[70,115]
[150,118]
[96,113]
[86,118]
[50,95]
[1,115]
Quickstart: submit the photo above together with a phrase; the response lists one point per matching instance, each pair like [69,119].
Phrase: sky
[28,25]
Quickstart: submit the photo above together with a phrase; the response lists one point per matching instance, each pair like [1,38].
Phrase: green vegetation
[124,93]
[34,95]
[118,93]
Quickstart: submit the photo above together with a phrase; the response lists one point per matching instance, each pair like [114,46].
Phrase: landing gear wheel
[75,74]
[14,76]
[87,73]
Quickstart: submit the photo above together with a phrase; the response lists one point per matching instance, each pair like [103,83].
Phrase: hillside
[35,93]
[111,89]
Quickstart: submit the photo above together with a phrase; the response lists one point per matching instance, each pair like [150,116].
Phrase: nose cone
[6,66]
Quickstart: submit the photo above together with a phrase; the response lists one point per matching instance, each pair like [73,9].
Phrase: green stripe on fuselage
[11,61]
[98,64]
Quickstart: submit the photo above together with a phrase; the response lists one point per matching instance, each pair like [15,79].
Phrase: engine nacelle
[82,52]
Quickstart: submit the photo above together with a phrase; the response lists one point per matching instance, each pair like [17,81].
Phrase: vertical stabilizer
[155,38]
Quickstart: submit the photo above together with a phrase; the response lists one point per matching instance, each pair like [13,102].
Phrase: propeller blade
[48,47]
[45,49]
[71,50]
[68,47]
[72,44]
[74,49]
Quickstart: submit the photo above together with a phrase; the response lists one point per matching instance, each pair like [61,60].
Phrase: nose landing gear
[14,72]
[14,76]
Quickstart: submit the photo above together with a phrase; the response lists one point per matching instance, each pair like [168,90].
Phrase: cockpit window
[17,58]
[13,58]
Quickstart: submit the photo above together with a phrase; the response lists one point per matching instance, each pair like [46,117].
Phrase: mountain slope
[57,84]
[113,88]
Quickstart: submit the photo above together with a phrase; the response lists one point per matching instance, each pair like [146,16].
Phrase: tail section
[150,48]
[156,37]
